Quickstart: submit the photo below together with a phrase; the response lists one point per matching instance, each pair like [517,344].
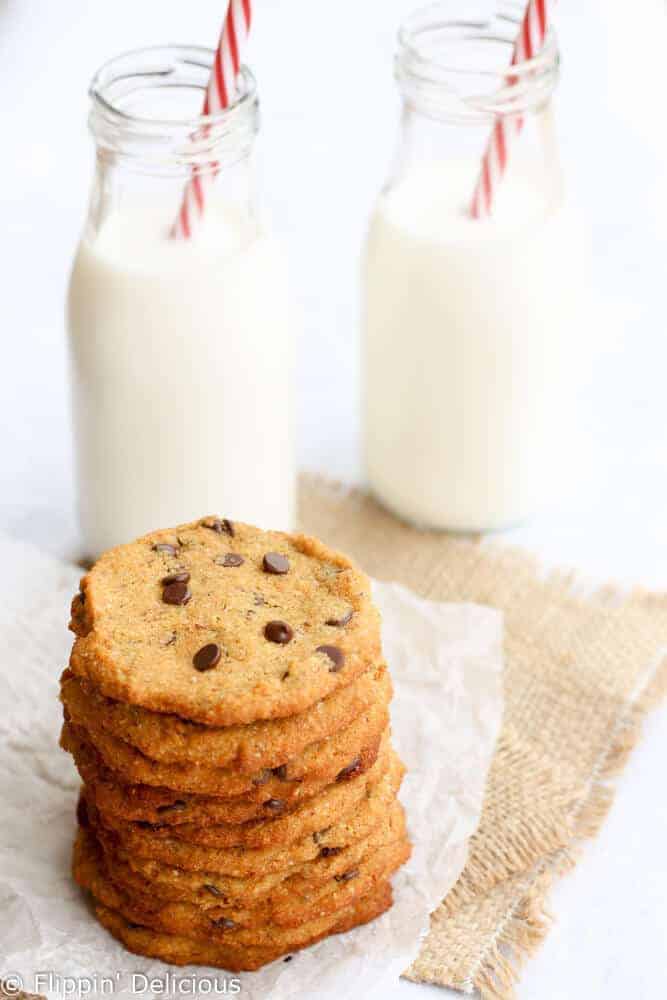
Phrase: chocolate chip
[177,806]
[351,771]
[207,657]
[342,621]
[213,890]
[82,817]
[280,772]
[164,547]
[288,958]
[275,805]
[176,593]
[182,577]
[279,632]
[336,656]
[347,876]
[230,559]
[262,777]
[225,923]
[219,525]
[275,563]
[330,852]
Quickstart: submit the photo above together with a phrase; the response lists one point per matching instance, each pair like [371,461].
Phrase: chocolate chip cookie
[171,624]
[254,927]
[242,861]
[377,788]
[188,951]
[264,744]
[324,759]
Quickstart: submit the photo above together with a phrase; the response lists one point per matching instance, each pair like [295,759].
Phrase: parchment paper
[446,664]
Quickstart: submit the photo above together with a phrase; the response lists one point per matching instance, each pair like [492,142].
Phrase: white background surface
[330,110]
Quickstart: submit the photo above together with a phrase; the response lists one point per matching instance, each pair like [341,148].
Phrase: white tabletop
[329,118]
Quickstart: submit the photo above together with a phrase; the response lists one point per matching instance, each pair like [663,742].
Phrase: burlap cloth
[581,671]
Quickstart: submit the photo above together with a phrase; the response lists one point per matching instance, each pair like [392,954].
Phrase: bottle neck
[452,68]
[150,138]
[457,65]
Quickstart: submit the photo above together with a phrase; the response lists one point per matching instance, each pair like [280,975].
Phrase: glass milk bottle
[469,324]
[181,348]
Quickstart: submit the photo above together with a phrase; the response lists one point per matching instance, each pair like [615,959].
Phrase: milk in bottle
[469,325]
[181,349]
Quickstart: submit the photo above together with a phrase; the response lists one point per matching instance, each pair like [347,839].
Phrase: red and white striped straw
[221,92]
[529,42]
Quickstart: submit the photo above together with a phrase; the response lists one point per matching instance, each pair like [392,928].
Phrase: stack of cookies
[226,705]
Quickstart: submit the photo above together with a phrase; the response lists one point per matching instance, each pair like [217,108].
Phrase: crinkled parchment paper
[446,663]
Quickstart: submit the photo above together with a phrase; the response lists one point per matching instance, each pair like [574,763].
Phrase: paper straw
[221,92]
[529,42]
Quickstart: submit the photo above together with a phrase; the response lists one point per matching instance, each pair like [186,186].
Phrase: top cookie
[223,623]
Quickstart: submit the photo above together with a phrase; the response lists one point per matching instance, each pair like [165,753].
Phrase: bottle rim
[120,124]
[455,63]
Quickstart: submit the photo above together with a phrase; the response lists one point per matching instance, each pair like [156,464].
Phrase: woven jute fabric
[581,670]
